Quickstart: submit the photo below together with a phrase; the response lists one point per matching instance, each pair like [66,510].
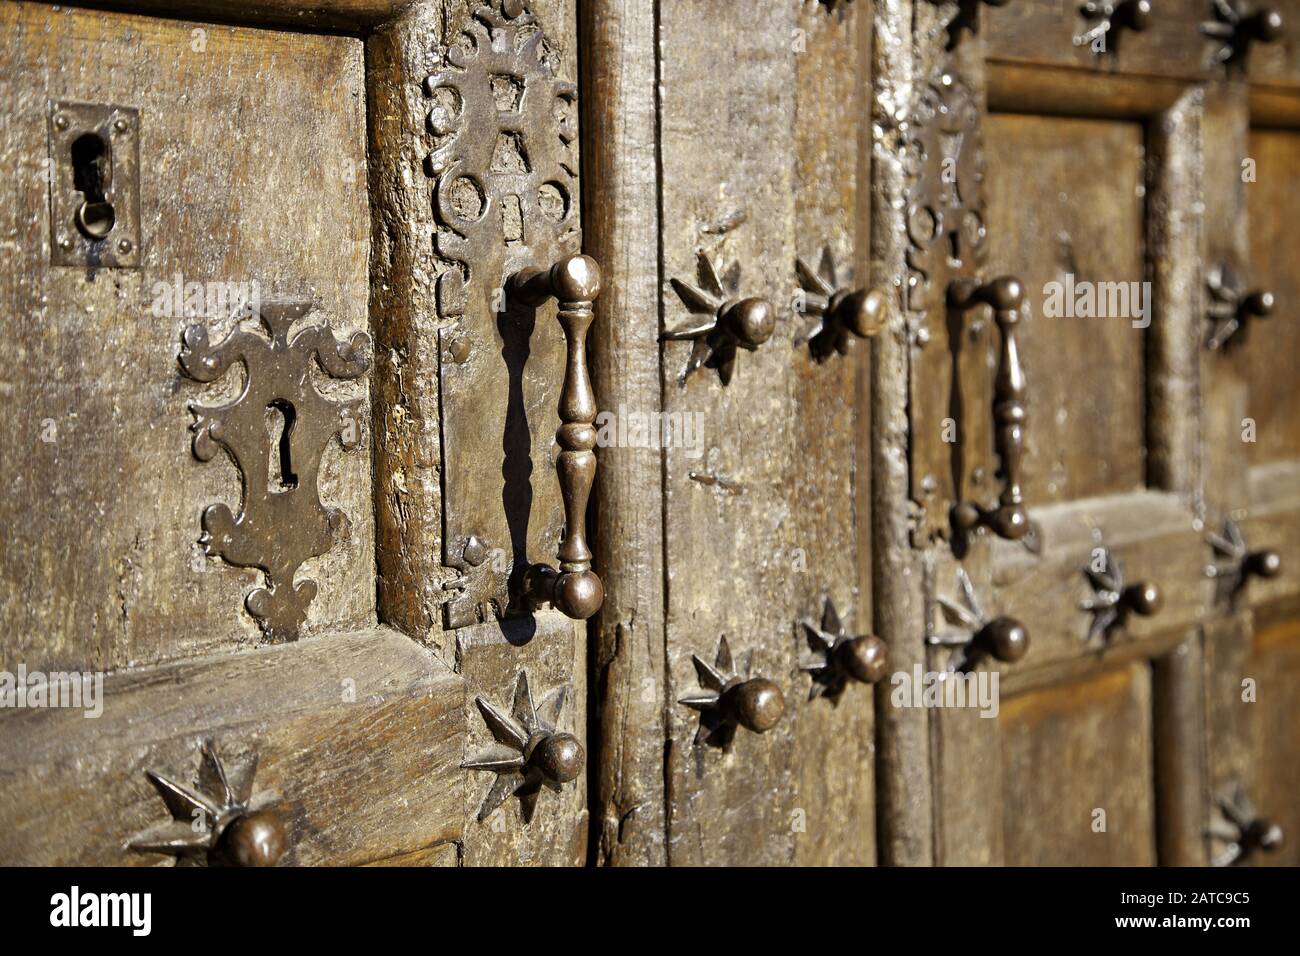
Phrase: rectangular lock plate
[94,172]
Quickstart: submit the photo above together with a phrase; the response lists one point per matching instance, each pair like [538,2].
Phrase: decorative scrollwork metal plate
[502,129]
[281,521]
[945,221]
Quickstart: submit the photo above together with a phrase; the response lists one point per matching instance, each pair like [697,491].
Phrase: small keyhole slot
[92,171]
[281,476]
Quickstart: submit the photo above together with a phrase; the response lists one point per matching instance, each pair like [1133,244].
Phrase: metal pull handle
[574,282]
[1005,295]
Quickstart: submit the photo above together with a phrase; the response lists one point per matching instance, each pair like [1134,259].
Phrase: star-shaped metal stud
[729,698]
[836,312]
[838,656]
[1243,831]
[1235,563]
[1113,601]
[1232,308]
[1236,26]
[1133,14]
[722,320]
[975,637]
[215,824]
[530,752]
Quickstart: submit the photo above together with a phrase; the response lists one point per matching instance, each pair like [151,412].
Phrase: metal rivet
[60,122]
[65,244]
[121,125]
[124,246]
[475,552]
[458,348]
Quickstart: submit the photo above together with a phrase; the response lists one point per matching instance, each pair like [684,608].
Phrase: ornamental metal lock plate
[94,173]
[281,520]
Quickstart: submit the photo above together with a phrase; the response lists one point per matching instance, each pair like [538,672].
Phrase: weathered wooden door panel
[362,734]
[105,469]
[1084,357]
[726,517]
[1167,42]
[1251,675]
[1076,772]
[1275,744]
[1252,467]
[358,748]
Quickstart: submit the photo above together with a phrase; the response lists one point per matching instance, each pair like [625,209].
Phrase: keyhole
[92,171]
[280,476]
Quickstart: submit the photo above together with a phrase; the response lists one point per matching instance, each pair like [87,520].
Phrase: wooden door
[393,716]
[1081,152]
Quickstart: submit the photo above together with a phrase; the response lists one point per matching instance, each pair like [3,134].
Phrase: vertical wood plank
[621,230]
[404,315]
[904,798]
[834,745]
[1178,699]
[727,108]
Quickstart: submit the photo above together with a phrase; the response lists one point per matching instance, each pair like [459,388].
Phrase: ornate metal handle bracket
[837,311]
[729,698]
[574,282]
[215,824]
[976,636]
[1009,519]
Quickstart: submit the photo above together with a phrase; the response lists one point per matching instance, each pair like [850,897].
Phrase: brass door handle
[1009,519]
[215,823]
[574,282]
